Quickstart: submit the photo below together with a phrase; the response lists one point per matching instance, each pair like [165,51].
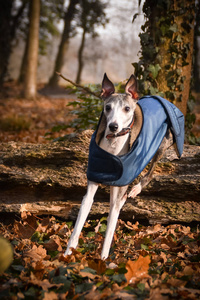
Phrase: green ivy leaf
[119,278]
[141,286]
[110,272]
[145,247]
[179,39]
[103,227]
[153,91]
[91,234]
[83,287]
[154,69]
[173,28]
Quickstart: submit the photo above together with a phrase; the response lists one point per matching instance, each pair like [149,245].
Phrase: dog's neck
[117,145]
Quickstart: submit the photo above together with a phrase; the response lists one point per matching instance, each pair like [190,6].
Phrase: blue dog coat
[159,115]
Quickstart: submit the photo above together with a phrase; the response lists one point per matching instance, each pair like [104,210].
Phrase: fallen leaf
[23,231]
[97,265]
[88,274]
[163,256]
[50,296]
[39,269]
[44,284]
[176,282]
[36,253]
[53,244]
[42,227]
[156,294]
[20,295]
[188,271]
[154,229]
[137,269]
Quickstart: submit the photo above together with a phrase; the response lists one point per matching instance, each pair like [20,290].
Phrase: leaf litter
[145,262]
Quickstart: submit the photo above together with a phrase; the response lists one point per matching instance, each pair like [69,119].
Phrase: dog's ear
[131,87]
[107,87]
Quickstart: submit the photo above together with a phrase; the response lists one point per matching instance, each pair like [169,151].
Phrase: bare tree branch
[86,89]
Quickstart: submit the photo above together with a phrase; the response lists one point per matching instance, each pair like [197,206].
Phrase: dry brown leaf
[50,296]
[97,265]
[39,268]
[88,274]
[188,271]
[156,294]
[53,244]
[137,269]
[20,295]
[154,229]
[163,256]
[36,253]
[23,231]
[29,219]
[181,254]
[93,295]
[176,282]
[133,226]
[44,284]
[42,227]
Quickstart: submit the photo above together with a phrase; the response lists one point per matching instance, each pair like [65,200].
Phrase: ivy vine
[164,31]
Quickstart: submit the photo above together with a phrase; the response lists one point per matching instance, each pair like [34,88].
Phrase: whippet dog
[119,113]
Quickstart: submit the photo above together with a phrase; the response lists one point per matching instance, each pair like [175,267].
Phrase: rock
[51,179]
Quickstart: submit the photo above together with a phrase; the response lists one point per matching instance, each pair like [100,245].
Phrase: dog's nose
[113,127]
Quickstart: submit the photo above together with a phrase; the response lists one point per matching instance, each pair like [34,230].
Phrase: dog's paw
[135,191]
[68,252]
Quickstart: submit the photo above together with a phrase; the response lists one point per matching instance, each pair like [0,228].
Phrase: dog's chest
[116,146]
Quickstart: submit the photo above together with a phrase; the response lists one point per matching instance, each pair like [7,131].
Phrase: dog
[120,113]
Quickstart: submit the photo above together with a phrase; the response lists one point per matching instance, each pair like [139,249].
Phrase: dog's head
[119,108]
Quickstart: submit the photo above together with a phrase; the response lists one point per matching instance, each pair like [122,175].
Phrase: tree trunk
[30,86]
[167,49]
[8,27]
[184,63]
[22,73]
[196,65]
[51,179]
[62,50]
[5,36]
[80,57]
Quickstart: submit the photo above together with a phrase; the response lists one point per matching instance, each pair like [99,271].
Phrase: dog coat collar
[122,132]
[158,115]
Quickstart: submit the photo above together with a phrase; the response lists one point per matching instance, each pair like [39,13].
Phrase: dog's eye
[108,108]
[127,108]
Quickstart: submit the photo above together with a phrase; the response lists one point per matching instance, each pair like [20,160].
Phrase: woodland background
[44,122]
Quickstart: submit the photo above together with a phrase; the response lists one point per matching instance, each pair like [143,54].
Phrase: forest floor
[30,121]
[146,262]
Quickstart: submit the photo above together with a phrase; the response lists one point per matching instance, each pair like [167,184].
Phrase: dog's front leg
[117,199]
[82,216]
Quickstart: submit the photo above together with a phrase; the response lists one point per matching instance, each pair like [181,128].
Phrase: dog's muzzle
[122,132]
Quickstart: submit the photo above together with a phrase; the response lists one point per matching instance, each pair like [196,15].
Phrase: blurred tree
[11,12]
[91,15]
[196,72]
[67,33]
[30,84]
[50,14]
[167,40]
